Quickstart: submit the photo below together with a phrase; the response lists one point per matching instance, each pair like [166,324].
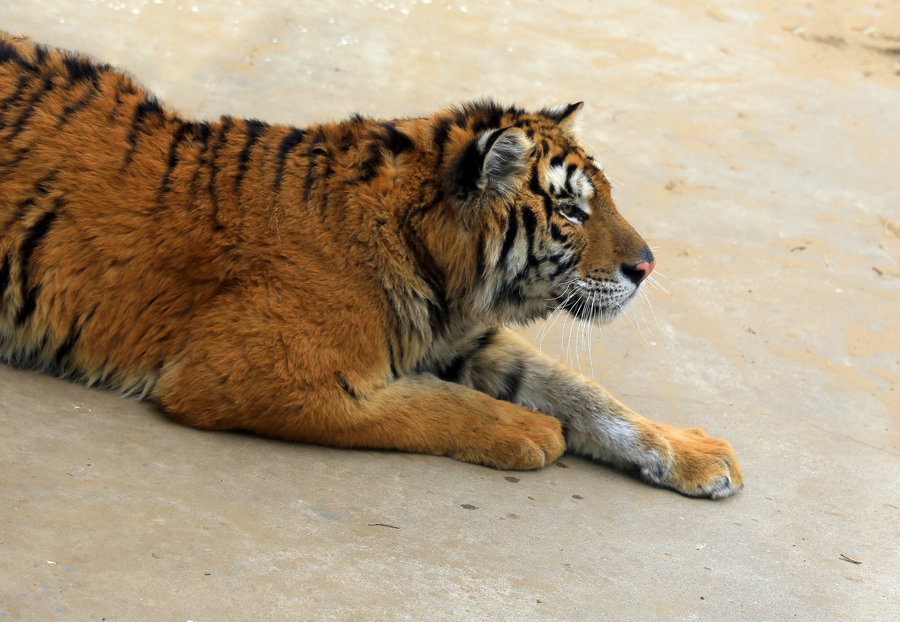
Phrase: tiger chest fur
[347,284]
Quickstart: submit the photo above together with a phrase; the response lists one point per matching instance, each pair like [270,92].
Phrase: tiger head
[549,235]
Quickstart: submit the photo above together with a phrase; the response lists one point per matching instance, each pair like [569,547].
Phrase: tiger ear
[567,118]
[494,163]
[505,157]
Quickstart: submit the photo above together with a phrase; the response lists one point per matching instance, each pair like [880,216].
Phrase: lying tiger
[345,284]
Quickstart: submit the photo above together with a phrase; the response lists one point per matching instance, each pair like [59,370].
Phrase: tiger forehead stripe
[571,182]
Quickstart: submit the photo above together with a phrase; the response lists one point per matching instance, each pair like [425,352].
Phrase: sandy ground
[754,144]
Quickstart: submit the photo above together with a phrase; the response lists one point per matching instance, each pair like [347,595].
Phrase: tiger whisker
[554,316]
[577,314]
[646,297]
[652,281]
[591,337]
[632,321]
[548,326]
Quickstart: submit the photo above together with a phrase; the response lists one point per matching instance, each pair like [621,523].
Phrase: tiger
[354,284]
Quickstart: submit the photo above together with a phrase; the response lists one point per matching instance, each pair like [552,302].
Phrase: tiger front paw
[695,465]
[527,441]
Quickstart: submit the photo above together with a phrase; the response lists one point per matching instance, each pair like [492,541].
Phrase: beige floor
[755,144]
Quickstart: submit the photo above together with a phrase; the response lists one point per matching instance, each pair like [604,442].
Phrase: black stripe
[481,256]
[345,141]
[430,272]
[569,171]
[177,137]
[202,132]
[342,382]
[117,103]
[324,195]
[255,129]
[564,266]
[396,141]
[438,307]
[530,222]
[8,54]
[441,133]
[294,138]
[391,357]
[20,212]
[37,231]
[28,110]
[329,171]
[147,306]
[466,170]
[510,292]
[4,278]
[486,339]
[312,154]
[35,234]
[149,106]
[45,184]
[565,113]
[227,124]
[80,69]
[495,116]
[369,167]
[40,54]
[535,186]
[21,86]
[489,115]
[512,382]
[71,109]
[512,230]
[461,116]
[65,348]
[578,214]
[453,370]
[557,160]
[557,234]
[41,188]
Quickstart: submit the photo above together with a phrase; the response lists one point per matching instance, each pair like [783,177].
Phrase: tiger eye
[567,207]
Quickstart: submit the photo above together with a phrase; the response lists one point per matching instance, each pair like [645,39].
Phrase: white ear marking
[505,152]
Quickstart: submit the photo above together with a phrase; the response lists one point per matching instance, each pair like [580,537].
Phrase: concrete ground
[754,144]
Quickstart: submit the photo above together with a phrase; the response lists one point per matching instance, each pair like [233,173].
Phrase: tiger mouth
[605,304]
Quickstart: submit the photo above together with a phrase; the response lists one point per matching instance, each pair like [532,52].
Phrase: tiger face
[553,237]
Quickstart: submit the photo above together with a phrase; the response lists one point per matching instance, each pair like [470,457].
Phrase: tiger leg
[599,426]
[425,415]
[258,379]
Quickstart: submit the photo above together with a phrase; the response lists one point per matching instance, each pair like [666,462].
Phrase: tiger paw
[527,441]
[697,465]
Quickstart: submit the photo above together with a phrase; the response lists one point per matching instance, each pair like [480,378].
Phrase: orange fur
[343,284]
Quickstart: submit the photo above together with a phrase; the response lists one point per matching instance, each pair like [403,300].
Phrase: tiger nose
[641,270]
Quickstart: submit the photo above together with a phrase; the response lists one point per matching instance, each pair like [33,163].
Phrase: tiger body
[346,284]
